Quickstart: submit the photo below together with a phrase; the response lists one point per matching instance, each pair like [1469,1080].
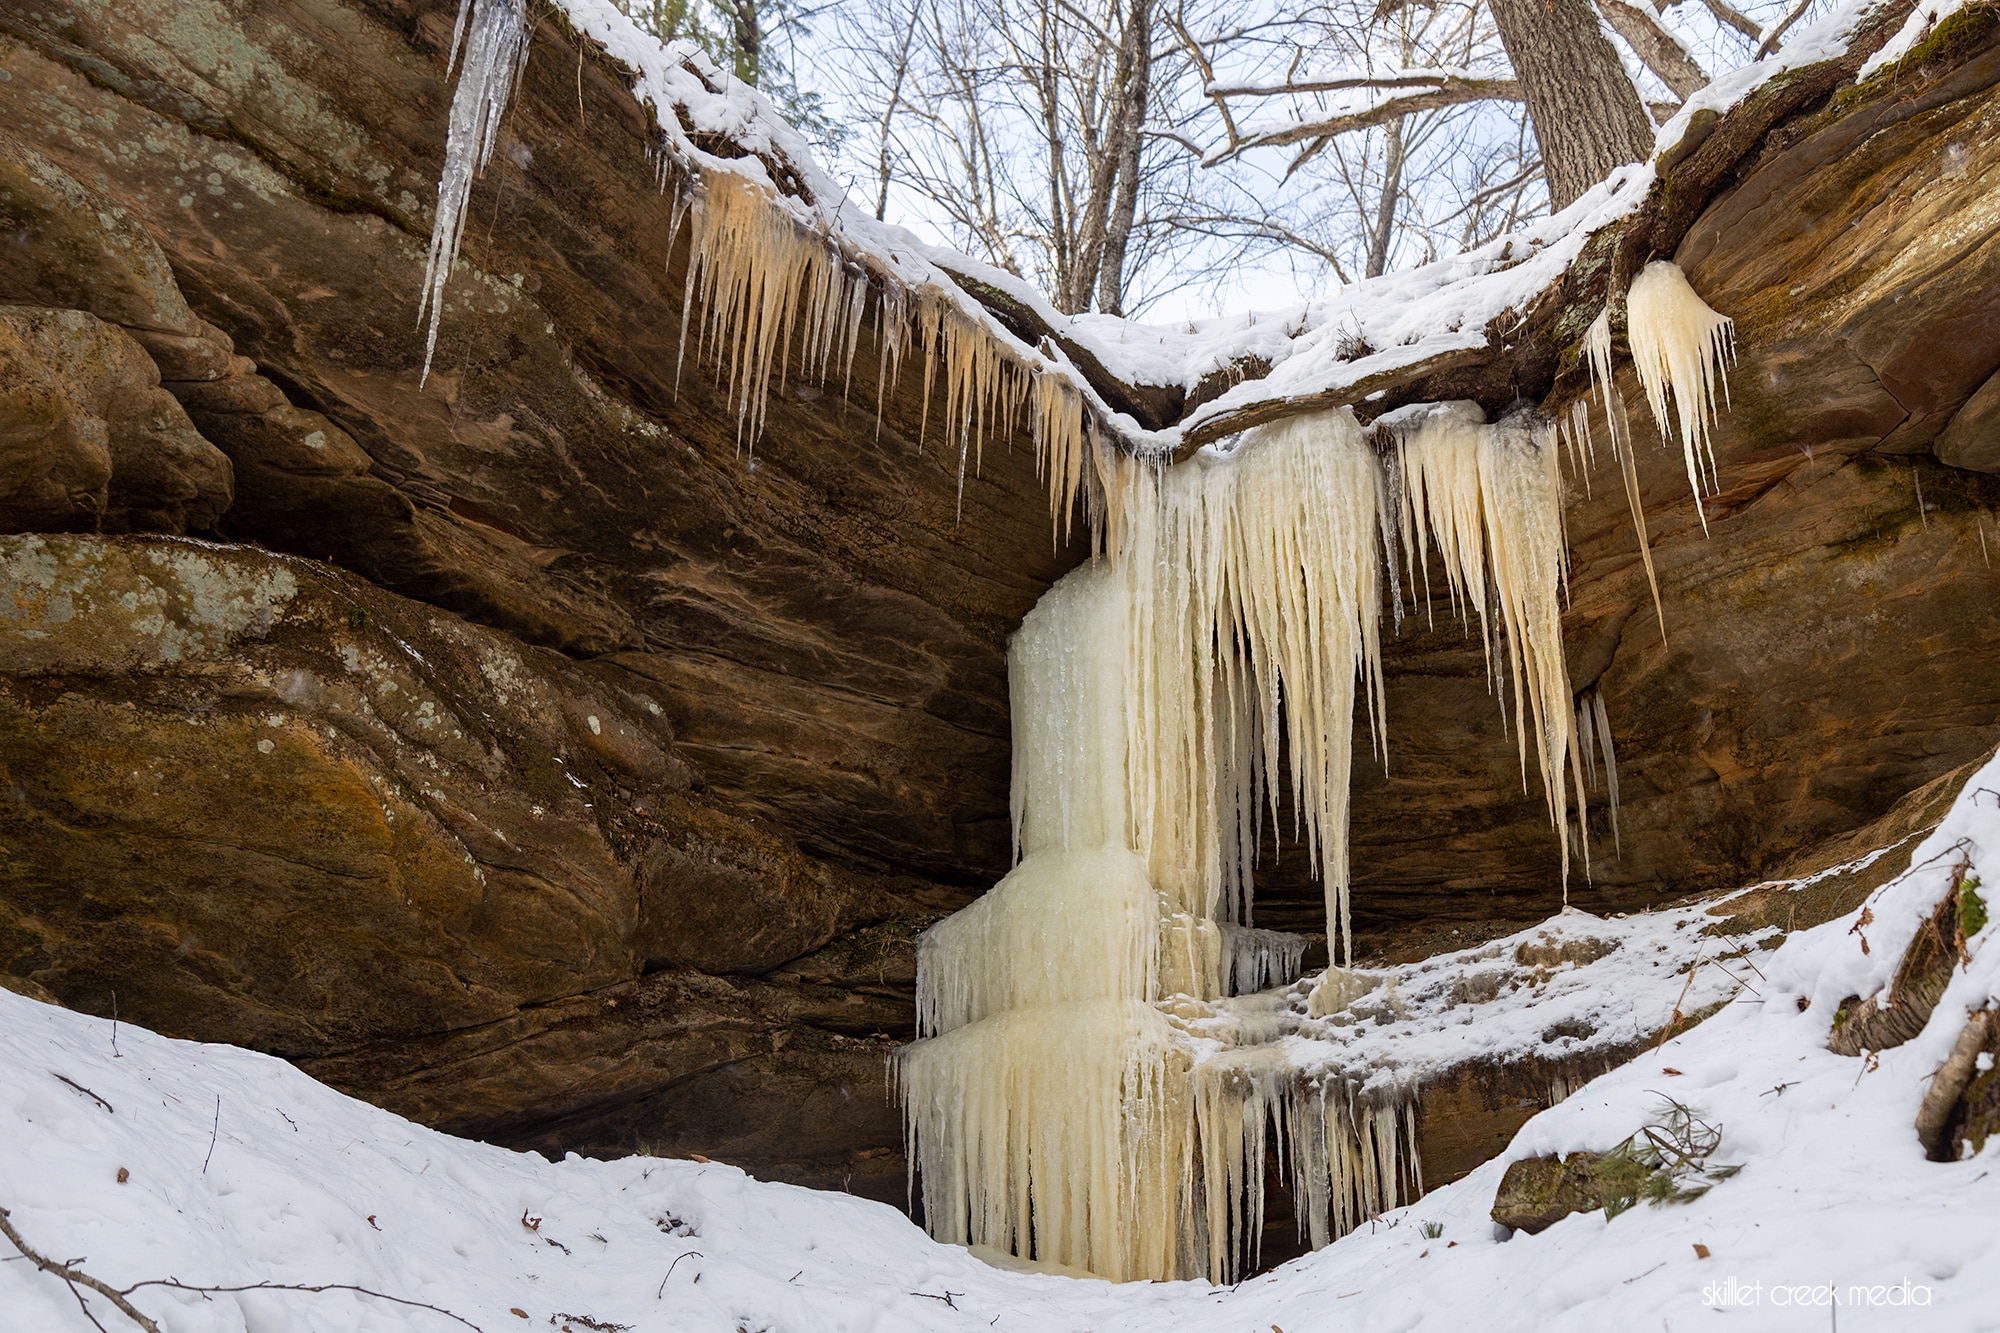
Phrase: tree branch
[1735,18]
[1653,43]
[1770,43]
[75,1277]
[307,1287]
[1409,78]
[1211,429]
[1448,92]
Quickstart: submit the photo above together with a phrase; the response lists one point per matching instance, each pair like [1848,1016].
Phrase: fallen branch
[87,1092]
[76,1278]
[306,1287]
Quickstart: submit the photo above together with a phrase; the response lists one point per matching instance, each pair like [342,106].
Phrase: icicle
[1438,446]
[1255,582]
[758,277]
[1586,735]
[1059,1132]
[1610,764]
[1389,483]
[1521,495]
[1491,498]
[496,47]
[1050,1110]
[1576,437]
[1597,354]
[1063,440]
[1258,959]
[1680,346]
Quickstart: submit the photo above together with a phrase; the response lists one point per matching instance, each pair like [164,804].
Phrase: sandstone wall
[520,751]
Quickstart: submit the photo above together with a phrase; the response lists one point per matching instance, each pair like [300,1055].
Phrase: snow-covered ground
[243,1170]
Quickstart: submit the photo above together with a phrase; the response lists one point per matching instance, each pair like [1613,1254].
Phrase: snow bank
[244,1170]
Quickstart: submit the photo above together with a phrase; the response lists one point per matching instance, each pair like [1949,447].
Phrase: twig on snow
[670,1270]
[213,1130]
[87,1092]
[76,1277]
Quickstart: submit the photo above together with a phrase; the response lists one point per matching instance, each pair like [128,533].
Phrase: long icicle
[495,49]
[1597,354]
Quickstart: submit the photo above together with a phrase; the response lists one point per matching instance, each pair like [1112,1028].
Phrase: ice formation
[1056,1107]
[1490,497]
[494,49]
[759,282]
[1680,347]
[1618,426]
[1084,1093]
[1076,1097]
[763,282]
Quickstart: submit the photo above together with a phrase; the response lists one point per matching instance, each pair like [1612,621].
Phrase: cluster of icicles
[765,285]
[1058,1106]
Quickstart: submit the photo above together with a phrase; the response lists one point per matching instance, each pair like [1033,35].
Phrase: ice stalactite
[1347,1159]
[1680,347]
[1490,497]
[1255,593]
[1058,1106]
[1617,425]
[764,284]
[1593,727]
[760,284]
[494,44]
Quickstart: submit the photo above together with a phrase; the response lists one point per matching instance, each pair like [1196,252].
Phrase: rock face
[522,751]
[820,630]
[89,440]
[432,829]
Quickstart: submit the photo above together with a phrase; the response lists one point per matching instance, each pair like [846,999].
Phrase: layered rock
[466,877]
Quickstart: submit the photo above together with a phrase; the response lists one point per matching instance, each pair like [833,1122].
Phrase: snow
[1834,1191]
[1919,25]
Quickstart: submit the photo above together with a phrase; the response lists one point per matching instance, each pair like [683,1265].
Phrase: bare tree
[1025,123]
[1655,44]
[1088,145]
[1413,129]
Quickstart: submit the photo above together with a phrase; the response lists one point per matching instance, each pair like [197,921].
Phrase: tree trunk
[1392,190]
[1586,113]
[746,27]
[1135,85]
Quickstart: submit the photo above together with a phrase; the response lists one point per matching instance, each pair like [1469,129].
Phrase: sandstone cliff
[519,751]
